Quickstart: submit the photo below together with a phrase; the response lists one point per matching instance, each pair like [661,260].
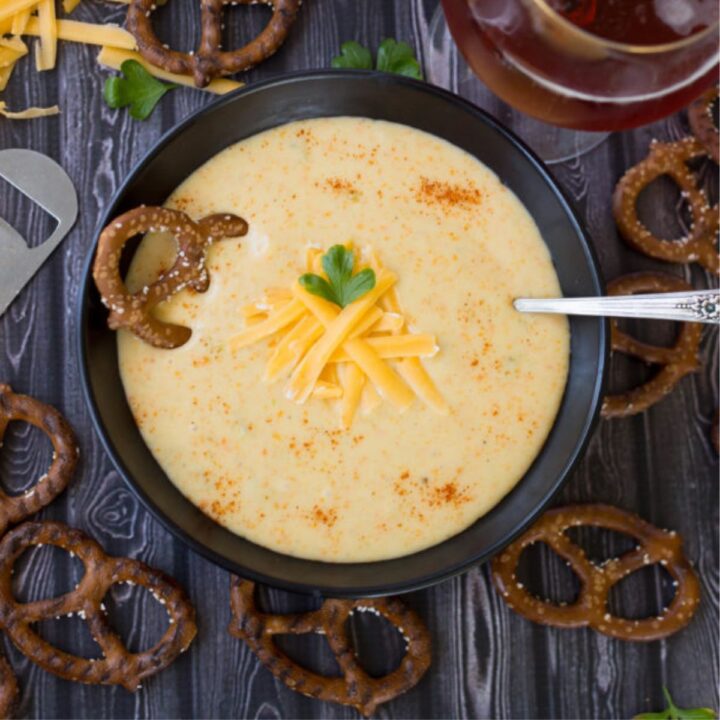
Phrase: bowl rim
[374,590]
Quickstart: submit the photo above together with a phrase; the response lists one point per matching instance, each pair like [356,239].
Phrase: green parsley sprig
[672,712]
[392,56]
[137,89]
[341,286]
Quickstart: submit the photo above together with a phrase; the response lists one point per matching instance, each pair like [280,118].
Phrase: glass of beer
[588,65]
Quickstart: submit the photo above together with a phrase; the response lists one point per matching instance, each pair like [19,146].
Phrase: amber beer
[590,64]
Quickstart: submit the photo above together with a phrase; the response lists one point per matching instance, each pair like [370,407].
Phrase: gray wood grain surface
[488,662]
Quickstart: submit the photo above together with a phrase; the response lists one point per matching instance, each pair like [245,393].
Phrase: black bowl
[386,97]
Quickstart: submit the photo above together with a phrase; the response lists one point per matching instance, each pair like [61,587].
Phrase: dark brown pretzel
[9,691]
[715,432]
[23,408]
[356,688]
[669,159]
[677,361]
[134,311]
[210,61]
[118,666]
[590,609]
[702,125]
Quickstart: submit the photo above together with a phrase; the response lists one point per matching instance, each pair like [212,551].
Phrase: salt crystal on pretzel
[134,311]
[22,408]
[591,608]
[117,666]
[675,362]
[209,60]
[669,159]
[355,688]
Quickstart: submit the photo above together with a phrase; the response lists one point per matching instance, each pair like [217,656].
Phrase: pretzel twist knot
[134,310]
[677,361]
[209,60]
[702,124]
[22,408]
[117,666]
[590,609]
[356,688]
[669,159]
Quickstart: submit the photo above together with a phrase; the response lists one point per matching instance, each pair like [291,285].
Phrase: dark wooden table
[488,662]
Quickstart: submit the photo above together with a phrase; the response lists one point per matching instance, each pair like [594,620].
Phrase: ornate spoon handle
[696,306]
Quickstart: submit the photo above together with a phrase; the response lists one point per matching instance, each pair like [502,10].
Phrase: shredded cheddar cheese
[5,73]
[113,57]
[10,8]
[11,50]
[277,321]
[88,33]
[29,113]
[20,21]
[46,51]
[307,373]
[339,354]
[410,368]
[291,348]
[394,346]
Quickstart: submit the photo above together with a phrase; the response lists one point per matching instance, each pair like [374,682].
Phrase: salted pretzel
[702,124]
[669,159]
[590,609]
[22,408]
[355,688]
[677,361]
[9,691]
[134,310]
[210,61]
[117,666]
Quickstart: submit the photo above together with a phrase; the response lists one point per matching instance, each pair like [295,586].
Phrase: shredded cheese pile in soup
[290,476]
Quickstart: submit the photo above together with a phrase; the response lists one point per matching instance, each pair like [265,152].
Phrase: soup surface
[288,476]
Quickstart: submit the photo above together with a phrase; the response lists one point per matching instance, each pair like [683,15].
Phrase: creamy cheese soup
[289,476]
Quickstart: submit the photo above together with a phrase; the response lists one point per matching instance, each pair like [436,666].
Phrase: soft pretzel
[669,159]
[591,609]
[15,509]
[355,688]
[134,310]
[675,362]
[117,666]
[210,60]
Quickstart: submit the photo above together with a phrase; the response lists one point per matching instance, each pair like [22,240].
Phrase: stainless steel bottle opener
[46,183]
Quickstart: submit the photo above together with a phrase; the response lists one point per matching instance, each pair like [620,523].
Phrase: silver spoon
[693,306]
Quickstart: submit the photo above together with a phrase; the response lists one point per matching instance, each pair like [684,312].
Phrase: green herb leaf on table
[399,58]
[392,57]
[137,89]
[353,55]
[341,287]
[672,712]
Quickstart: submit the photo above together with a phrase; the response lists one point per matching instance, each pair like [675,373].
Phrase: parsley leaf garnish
[672,712]
[393,56]
[138,89]
[353,55]
[399,58]
[341,287]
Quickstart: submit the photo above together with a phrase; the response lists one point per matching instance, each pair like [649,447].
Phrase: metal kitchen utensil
[47,184]
[692,306]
